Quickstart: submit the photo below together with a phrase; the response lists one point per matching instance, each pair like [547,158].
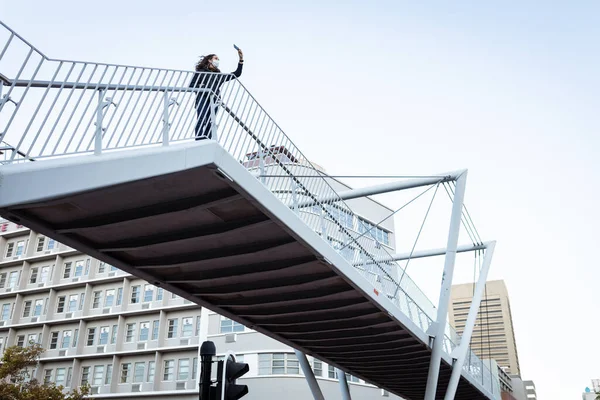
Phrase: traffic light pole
[207,352]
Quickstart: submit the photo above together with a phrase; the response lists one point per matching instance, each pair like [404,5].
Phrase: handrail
[99,86]
[57,108]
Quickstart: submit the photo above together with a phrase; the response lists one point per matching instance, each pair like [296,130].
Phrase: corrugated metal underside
[198,234]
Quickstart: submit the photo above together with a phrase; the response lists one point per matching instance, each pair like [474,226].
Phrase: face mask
[215,63]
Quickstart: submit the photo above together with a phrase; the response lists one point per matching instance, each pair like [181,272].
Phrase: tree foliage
[16,382]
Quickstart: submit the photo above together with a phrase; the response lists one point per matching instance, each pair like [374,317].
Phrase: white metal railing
[55,108]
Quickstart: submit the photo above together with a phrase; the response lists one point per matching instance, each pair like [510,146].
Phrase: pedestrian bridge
[101,157]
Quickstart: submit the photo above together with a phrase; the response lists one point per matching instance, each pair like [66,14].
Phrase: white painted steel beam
[429,253]
[309,375]
[460,353]
[384,188]
[344,389]
[442,316]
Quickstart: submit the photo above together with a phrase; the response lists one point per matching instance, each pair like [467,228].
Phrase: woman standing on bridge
[213,82]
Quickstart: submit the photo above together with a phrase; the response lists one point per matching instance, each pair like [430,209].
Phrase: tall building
[130,339]
[493,336]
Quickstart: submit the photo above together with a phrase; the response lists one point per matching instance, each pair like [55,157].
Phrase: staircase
[118,175]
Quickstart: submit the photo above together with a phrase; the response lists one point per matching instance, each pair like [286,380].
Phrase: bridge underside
[171,216]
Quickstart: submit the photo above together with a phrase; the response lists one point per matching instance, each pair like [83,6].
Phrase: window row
[134,332]
[230,326]
[15,248]
[44,274]
[346,219]
[287,364]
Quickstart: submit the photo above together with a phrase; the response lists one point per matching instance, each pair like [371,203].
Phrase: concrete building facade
[493,336]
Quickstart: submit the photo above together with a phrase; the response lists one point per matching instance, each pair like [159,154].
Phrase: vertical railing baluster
[98,137]
[165,133]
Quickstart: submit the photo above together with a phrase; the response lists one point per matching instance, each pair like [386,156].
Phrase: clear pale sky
[507,89]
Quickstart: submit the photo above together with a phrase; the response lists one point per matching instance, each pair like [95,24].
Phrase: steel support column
[460,353]
[440,328]
[343,384]
[310,376]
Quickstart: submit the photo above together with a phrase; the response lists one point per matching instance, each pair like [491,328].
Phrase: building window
[51,244]
[103,339]
[183,369]
[73,302]
[159,293]
[79,268]
[331,372]
[135,294]
[113,335]
[125,373]
[195,368]
[155,325]
[344,217]
[317,367]
[40,244]
[2,279]
[101,267]
[85,375]
[44,273]
[374,232]
[13,279]
[119,296]
[53,340]
[20,340]
[20,248]
[10,247]
[172,332]
[148,293]
[109,299]
[151,370]
[37,307]
[139,369]
[169,371]
[97,299]
[108,379]
[69,377]
[81,301]
[130,333]
[198,318]
[60,307]
[186,326]
[229,326]
[75,336]
[34,275]
[98,375]
[67,271]
[32,339]
[277,364]
[66,340]
[5,312]
[47,376]
[144,331]
[90,336]
[27,309]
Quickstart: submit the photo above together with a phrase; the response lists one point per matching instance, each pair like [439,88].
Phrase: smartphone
[235,47]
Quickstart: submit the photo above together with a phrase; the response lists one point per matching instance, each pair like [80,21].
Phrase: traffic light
[228,371]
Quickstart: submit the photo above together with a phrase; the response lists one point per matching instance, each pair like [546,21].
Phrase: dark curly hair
[204,63]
